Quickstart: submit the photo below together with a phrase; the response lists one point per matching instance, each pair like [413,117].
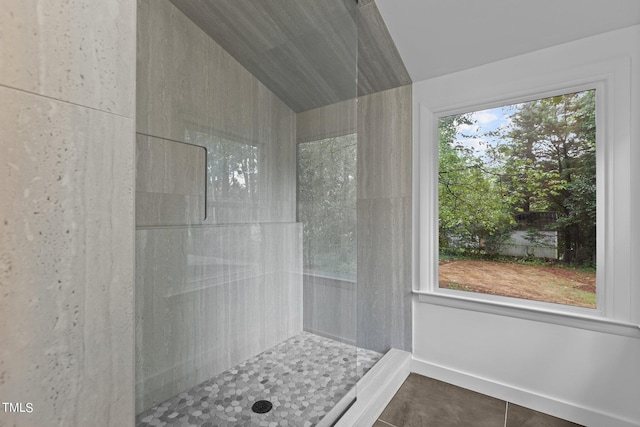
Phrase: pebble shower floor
[303,377]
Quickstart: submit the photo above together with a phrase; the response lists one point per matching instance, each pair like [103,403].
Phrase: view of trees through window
[517,200]
[327,205]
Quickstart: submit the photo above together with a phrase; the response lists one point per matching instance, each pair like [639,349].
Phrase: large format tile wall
[213,287]
[380,66]
[66,211]
[330,307]
[303,51]
[384,219]
[383,289]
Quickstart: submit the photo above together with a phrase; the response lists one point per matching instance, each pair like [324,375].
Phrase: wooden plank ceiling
[305,51]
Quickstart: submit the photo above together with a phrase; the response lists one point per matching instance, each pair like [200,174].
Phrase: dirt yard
[540,283]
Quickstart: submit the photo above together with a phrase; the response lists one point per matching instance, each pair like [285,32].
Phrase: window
[517,200]
[578,70]
[327,206]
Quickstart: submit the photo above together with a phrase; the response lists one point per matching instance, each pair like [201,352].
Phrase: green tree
[327,204]
[472,206]
[543,162]
[550,166]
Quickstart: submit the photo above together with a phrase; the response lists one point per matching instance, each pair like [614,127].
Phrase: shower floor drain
[262,406]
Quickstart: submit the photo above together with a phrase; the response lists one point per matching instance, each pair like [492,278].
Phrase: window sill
[598,324]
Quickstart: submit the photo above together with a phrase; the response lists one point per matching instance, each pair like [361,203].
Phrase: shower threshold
[303,378]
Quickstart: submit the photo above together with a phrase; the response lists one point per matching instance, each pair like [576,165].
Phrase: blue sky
[473,136]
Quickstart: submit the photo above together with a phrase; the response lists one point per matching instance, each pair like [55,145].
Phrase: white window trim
[600,88]
[482,88]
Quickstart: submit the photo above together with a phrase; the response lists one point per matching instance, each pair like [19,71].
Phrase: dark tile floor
[424,402]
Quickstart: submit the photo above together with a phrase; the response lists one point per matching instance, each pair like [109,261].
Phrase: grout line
[169,139]
[506,413]
[383,421]
[75,104]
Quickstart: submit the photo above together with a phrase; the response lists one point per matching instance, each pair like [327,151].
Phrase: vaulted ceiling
[305,51]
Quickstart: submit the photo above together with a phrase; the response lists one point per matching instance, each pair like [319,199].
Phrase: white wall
[590,377]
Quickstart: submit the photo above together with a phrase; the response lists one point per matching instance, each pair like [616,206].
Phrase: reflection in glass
[233,170]
[327,205]
[232,177]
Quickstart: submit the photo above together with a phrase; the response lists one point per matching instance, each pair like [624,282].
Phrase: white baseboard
[376,389]
[546,404]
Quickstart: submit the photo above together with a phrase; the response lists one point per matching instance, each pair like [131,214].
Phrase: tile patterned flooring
[303,377]
[425,402]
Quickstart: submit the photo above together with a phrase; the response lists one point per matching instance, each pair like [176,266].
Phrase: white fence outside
[541,244]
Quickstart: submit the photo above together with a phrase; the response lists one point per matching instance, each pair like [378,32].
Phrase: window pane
[517,200]
[327,205]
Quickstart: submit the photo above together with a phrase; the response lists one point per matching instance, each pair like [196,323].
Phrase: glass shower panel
[232,328]
[327,207]
[327,191]
[326,137]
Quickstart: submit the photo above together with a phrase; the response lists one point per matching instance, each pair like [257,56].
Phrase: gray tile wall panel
[66,213]
[383,223]
[330,308]
[384,144]
[380,66]
[334,120]
[384,273]
[210,297]
[210,293]
[80,52]
[305,51]
[384,220]
[66,262]
[170,182]
[190,90]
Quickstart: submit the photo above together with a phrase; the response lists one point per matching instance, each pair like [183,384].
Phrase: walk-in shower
[246,276]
